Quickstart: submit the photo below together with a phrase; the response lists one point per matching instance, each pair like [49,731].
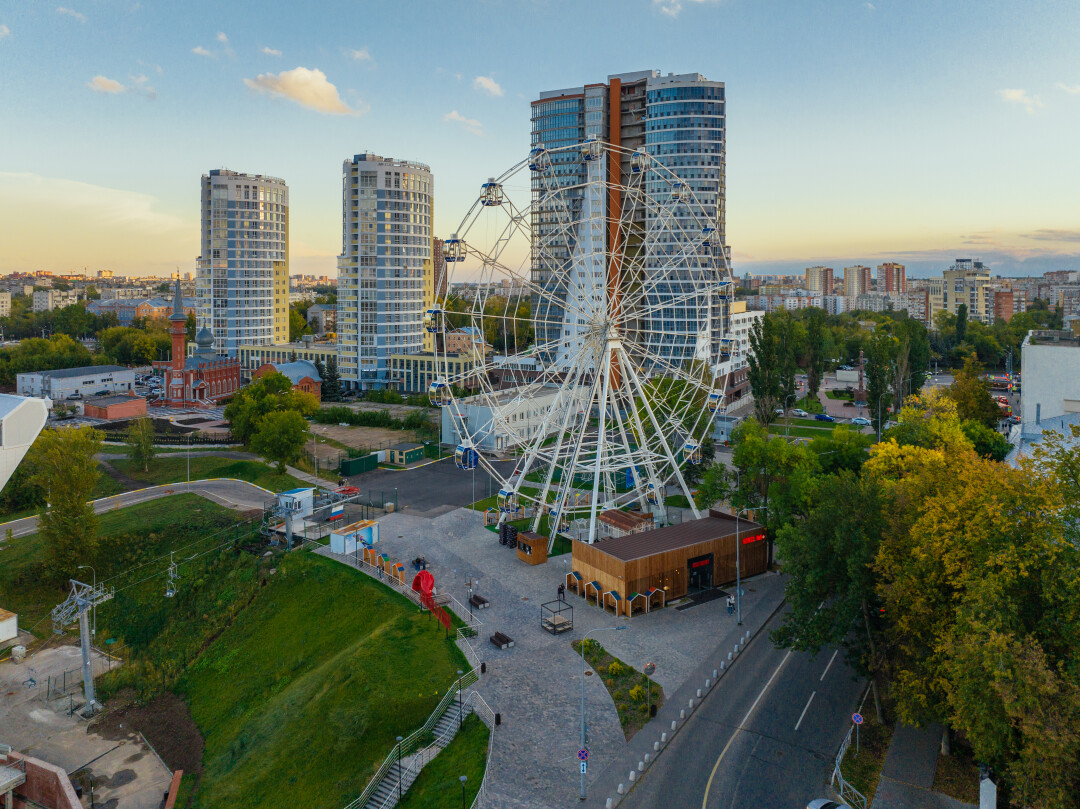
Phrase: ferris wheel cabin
[655,494]
[439,394]
[539,159]
[707,237]
[465,457]
[726,345]
[680,192]
[638,162]
[715,400]
[692,452]
[507,501]
[491,193]
[435,320]
[592,149]
[454,249]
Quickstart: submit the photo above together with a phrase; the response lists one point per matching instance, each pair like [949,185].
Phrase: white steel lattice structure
[595,293]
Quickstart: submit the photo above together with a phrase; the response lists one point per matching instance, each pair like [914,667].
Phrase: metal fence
[851,796]
[178,439]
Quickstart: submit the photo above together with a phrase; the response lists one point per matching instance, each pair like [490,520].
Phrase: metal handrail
[487,716]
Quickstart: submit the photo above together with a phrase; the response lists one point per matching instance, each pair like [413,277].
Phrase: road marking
[805,709]
[716,766]
[831,659]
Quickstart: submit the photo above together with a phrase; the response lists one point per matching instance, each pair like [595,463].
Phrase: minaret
[178,329]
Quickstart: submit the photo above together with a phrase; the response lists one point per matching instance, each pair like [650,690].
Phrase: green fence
[357,466]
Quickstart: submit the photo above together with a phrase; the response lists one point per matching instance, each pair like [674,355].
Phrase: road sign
[649,669]
[857,718]
[584,766]
[583,755]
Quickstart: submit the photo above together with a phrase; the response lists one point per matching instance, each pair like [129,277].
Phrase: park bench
[479,601]
[501,640]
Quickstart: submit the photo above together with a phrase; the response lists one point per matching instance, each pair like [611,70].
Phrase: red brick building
[204,378]
[115,407]
[302,373]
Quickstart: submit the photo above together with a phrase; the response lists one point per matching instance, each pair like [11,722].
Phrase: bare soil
[165,722]
[367,438]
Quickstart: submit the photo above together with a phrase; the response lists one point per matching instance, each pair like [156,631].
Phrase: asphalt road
[434,488]
[766,737]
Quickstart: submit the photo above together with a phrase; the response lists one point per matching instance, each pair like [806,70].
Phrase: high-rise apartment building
[966,282]
[819,279]
[385,270]
[891,278]
[677,119]
[856,281]
[242,276]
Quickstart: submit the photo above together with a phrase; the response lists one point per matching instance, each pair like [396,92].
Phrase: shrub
[615,669]
[637,693]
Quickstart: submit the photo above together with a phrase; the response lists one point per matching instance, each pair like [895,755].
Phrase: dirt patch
[366,438]
[165,722]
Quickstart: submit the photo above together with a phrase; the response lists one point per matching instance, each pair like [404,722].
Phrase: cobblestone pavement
[536,685]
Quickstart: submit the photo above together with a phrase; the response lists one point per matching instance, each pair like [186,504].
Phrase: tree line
[951,580]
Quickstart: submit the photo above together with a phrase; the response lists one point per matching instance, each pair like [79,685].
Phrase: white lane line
[831,659]
[804,710]
[716,766]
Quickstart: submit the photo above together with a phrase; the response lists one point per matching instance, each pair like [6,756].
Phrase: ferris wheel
[588,309]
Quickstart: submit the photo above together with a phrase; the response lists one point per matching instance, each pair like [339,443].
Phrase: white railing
[846,791]
[487,716]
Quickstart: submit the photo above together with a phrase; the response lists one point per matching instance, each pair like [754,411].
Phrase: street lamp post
[583,641]
[738,559]
[463,779]
[787,417]
[91,567]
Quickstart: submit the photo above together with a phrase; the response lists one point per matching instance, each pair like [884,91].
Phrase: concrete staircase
[398,779]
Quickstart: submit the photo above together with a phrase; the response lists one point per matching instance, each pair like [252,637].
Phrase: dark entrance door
[700,570]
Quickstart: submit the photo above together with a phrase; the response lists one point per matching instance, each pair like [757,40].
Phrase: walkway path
[234,494]
[907,777]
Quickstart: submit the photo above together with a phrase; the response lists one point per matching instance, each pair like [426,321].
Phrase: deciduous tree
[279,437]
[140,443]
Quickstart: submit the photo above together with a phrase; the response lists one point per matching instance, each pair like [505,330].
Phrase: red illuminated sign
[754,538]
[702,563]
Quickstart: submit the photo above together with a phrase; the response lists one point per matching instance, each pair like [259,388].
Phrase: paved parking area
[536,685]
[433,489]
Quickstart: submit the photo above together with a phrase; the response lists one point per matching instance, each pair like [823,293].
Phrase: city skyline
[859,132]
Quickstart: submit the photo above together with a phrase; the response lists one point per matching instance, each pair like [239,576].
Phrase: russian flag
[337,511]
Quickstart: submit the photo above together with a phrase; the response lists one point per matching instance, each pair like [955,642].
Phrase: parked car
[779,411]
[823,417]
[862,421]
[798,411]
[825,803]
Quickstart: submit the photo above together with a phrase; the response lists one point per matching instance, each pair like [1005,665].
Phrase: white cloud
[199,50]
[224,40]
[101,84]
[486,84]
[871,7]
[271,51]
[308,88]
[673,7]
[1071,89]
[4,31]
[1030,103]
[71,13]
[470,124]
[362,55]
[156,68]
[141,86]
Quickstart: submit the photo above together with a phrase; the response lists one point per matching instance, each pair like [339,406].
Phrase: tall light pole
[463,779]
[93,632]
[583,641]
[738,559]
[787,418]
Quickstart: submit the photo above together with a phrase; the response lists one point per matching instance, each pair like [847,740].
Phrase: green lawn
[130,536]
[174,469]
[325,659]
[439,785]
[677,500]
[810,404]
[840,395]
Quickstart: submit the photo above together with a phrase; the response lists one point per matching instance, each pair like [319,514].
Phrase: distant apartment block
[242,276]
[385,270]
[819,279]
[5,304]
[891,277]
[45,300]
[967,282]
[857,281]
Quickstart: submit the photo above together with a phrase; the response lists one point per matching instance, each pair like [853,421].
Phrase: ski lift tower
[77,605]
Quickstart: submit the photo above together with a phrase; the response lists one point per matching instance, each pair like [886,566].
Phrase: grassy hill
[174,469]
[301,698]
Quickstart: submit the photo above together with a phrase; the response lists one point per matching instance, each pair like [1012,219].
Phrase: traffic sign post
[583,754]
[858,720]
[648,671]
[584,766]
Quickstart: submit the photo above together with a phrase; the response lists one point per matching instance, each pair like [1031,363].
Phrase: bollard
[673,725]
[641,766]
[708,682]
[663,737]
[748,634]
[648,758]
[729,657]
[690,705]
[655,746]
[682,713]
[699,693]
[608,804]
[633,776]
[736,648]
[714,671]
[621,789]
[721,665]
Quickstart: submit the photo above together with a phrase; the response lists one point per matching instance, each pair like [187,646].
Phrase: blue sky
[857,131]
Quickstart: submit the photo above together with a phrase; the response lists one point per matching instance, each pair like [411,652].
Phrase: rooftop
[86,370]
[672,537]
[1043,337]
[625,520]
[405,445]
[105,401]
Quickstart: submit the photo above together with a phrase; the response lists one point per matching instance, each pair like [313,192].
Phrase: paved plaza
[536,685]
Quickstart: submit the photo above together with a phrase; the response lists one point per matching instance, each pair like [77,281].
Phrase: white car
[825,803]
[861,421]
[799,412]
[779,411]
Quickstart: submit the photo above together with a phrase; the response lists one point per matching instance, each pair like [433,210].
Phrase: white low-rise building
[500,421]
[21,420]
[1051,381]
[69,383]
